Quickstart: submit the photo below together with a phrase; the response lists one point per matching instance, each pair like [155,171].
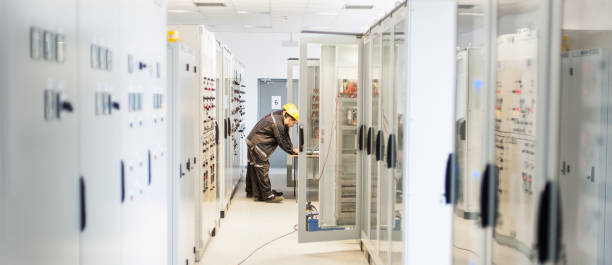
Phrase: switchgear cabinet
[40,154]
[183,87]
[101,129]
[585,150]
[206,203]
[145,155]
[358,82]
[473,146]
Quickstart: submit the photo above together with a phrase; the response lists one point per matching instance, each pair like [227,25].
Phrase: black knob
[116,105]
[67,106]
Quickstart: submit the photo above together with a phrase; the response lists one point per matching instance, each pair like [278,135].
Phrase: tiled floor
[249,224]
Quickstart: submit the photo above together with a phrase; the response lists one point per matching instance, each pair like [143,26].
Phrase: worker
[270,132]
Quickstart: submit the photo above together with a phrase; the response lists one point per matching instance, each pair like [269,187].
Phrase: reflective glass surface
[472,127]
[520,119]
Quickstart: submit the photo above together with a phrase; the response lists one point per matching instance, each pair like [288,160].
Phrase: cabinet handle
[229,126]
[122,181]
[149,157]
[67,106]
[369,141]
[391,152]
[545,226]
[224,129]
[488,196]
[360,141]
[216,132]
[379,145]
[451,187]
[301,138]
[83,203]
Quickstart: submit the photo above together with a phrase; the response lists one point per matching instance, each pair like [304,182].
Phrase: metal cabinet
[384,96]
[584,151]
[502,180]
[101,111]
[145,153]
[83,140]
[205,200]
[183,88]
[327,199]
[471,166]
[350,178]
[41,217]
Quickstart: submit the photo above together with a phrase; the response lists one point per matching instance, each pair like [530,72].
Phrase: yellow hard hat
[292,110]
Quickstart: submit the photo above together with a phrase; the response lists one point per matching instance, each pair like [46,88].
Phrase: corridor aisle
[250,224]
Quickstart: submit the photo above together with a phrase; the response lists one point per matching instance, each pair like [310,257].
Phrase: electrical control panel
[515,131]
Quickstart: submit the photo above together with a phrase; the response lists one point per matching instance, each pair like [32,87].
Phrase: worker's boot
[277,193]
[274,199]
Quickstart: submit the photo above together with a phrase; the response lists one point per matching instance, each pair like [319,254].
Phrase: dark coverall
[267,134]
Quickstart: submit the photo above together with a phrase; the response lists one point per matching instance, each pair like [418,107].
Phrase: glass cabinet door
[585,151]
[374,126]
[386,129]
[396,139]
[525,133]
[473,137]
[328,189]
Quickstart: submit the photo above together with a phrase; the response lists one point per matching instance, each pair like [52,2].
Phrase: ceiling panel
[281,15]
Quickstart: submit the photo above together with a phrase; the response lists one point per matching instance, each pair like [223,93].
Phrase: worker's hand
[296,151]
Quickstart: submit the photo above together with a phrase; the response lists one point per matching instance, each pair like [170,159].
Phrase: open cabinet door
[328,184]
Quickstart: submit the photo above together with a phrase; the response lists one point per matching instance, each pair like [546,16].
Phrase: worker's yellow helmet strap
[292,110]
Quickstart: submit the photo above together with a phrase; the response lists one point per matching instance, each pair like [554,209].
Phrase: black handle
[391,152]
[216,132]
[369,141]
[149,167]
[379,145]
[229,126]
[67,106]
[488,196]
[83,203]
[116,105]
[451,187]
[301,138]
[224,128]
[360,139]
[122,181]
[188,164]
[546,226]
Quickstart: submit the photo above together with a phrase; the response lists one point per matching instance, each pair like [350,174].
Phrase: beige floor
[249,224]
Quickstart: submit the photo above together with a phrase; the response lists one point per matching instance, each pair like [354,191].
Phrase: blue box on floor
[313,225]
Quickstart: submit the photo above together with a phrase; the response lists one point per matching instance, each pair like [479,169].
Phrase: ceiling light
[318,28]
[209,4]
[180,11]
[327,14]
[358,6]
[471,14]
[242,12]
[248,26]
[465,6]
